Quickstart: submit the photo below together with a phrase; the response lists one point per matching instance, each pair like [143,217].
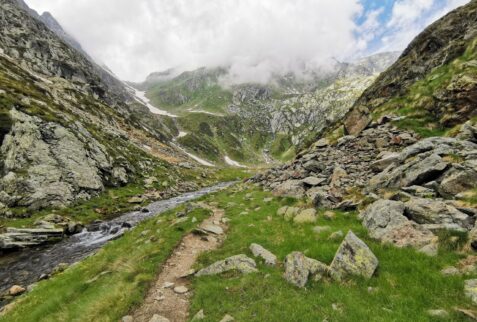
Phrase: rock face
[21,238]
[240,263]
[353,258]
[453,100]
[352,154]
[68,128]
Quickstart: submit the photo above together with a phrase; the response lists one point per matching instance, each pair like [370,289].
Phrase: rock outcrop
[240,263]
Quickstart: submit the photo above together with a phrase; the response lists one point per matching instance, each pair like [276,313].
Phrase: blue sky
[256,38]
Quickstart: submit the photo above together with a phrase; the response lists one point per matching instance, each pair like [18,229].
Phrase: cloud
[255,37]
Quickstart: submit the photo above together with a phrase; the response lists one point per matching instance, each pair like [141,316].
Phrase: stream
[25,267]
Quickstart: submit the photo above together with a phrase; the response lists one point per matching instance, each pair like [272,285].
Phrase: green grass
[406,285]
[105,286]
[419,102]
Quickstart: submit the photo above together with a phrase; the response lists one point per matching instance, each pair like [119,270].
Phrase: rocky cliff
[68,127]
[433,81]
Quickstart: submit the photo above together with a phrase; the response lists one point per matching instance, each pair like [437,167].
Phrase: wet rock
[241,263]
[259,251]
[21,238]
[385,221]
[470,289]
[353,258]
[298,268]
[16,290]
[306,216]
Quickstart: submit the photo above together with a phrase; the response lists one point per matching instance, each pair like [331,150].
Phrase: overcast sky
[254,37]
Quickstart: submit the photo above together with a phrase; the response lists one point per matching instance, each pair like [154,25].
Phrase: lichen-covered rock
[306,216]
[240,263]
[385,221]
[290,188]
[298,268]
[258,251]
[353,258]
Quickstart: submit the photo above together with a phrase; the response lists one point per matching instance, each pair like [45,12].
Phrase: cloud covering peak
[254,37]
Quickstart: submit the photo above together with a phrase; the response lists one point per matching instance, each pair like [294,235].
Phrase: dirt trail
[165,301]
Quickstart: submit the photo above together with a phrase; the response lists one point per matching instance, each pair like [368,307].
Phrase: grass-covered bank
[406,286]
[105,286]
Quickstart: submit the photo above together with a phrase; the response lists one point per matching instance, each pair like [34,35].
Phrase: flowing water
[27,266]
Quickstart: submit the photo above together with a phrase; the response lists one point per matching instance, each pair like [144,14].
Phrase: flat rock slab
[214,229]
[241,263]
[259,251]
[353,258]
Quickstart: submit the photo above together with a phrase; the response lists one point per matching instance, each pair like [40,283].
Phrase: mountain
[255,122]
[69,128]
[434,81]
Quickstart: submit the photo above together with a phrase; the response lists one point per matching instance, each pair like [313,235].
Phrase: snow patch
[233,163]
[140,96]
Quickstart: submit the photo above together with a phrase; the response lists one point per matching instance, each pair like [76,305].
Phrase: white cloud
[135,38]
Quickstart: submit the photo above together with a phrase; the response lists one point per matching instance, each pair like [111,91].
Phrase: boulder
[385,221]
[267,256]
[298,268]
[353,258]
[240,263]
[431,211]
[290,188]
[16,290]
[306,216]
[21,238]
[281,212]
[457,180]
[384,162]
[291,213]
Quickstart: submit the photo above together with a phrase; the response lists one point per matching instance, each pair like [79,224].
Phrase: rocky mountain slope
[433,82]
[243,120]
[68,127]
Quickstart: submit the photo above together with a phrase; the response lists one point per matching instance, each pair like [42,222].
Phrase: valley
[346,192]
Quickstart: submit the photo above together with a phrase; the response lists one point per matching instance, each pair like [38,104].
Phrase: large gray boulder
[385,221]
[290,188]
[258,251]
[353,258]
[436,212]
[240,263]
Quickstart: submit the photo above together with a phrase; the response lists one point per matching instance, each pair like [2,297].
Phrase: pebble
[181,289]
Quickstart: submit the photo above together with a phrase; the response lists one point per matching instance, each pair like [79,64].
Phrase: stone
[158,318]
[385,221]
[168,285]
[227,318]
[470,289]
[353,258]
[241,263]
[214,229]
[258,251]
[438,313]
[127,318]
[356,121]
[336,235]
[430,250]
[298,268]
[330,215]
[16,290]
[291,213]
[199,316]
[320,197]
[136,200]
[320,229]
[181,289]
[290,188]
[430,211]
[384,162]
[450,271]
[282,211]
[306,216]
[458,179]
[313,181]
[21,238]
